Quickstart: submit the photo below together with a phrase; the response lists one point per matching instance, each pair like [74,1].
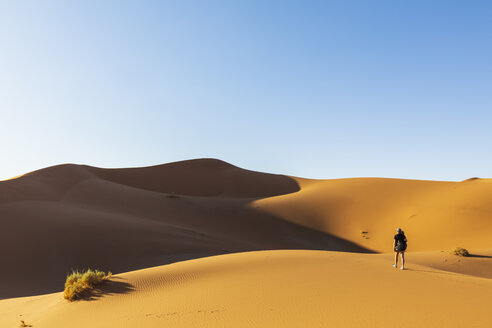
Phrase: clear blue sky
[320,89]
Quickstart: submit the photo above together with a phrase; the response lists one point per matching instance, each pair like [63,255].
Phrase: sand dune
[435,215]
[73,217]
[478,264]
[76,216]
[271,289]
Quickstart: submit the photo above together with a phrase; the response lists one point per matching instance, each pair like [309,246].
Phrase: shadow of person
[480,256]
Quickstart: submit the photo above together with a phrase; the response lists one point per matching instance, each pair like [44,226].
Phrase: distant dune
[434,215]
[75,216]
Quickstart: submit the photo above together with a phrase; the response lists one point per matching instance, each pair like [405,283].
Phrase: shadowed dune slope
[202,177]
[77,216]
[205,177]
[270,289]
[73,217]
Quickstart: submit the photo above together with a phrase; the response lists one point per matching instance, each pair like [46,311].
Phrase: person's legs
[396,259]
[402,260]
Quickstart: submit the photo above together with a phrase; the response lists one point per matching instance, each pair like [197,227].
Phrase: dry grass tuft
[460,251]
[78,283]
[23,324]
[172,195]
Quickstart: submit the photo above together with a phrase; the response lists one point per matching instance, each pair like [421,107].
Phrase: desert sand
[203,243]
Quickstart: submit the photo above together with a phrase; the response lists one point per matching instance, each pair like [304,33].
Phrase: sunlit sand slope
[434,215]
[478,264]
[270,289]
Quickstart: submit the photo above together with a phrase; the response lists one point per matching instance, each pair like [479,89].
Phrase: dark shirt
[400,237]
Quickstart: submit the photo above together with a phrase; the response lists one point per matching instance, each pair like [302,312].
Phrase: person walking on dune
[399,245]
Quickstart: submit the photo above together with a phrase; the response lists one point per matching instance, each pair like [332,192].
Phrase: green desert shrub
[460,251]
[78,283]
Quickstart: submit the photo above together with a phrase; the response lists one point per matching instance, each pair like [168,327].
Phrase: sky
[317,89]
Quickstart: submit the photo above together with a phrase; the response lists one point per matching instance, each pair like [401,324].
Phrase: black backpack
[401,244]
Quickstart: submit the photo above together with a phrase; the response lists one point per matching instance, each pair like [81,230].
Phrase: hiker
[400,245]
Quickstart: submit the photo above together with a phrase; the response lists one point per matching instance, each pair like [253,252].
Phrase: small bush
[23,324]
[461,251]
[78,283]
[172,195]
